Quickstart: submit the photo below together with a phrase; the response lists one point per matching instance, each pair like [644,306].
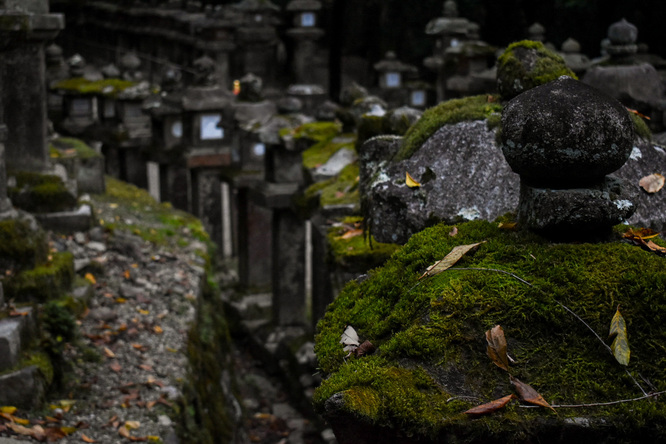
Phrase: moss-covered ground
[108,87]
[126,207]
[40,193]
[431,363]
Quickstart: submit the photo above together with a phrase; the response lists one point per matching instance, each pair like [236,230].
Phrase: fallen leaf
[638,114]
[449,260]
[352,233]
[656,248]
[8,410]
[411,183]
[143,312]
[15,314]
[126,274]
[490,407]
[158,330]
[640,233]
[86,439]
[146,367]
[528,394]
[366,348]
[115,367]
[123,431]
[109,353]
[350,339]
[453,232]
[132,424]
[91,278]
[496,349]
[620,345]
[120,300]
[652,183]
[509,226]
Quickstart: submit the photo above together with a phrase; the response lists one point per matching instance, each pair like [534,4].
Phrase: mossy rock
[340,190]
[452,111]
[314,131]
[40,193]
[44,282]
[358,253]
[431,365]
[21,246]
[320,152]
[527,64]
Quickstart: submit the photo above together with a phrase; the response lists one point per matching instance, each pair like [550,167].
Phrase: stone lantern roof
[304,5]
[255,6]
[537,32]
[391,63]
[622,37]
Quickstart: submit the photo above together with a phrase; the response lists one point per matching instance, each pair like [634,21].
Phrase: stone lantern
[449,32]
[392,75]
[304,33]
[256,38]
[79,101]
[575,61]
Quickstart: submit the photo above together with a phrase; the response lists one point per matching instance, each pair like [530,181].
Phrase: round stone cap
[622,33]
[565,134]
[571,46]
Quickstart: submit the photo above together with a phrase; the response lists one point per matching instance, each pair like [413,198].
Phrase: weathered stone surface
[577,211]
[335,164]
[10,342]
[463,176]
[24,388]
[565,133]
[634,85]
[68,221]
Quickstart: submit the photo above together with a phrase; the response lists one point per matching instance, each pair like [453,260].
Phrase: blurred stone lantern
[392,75]
[305,33]
[79,101]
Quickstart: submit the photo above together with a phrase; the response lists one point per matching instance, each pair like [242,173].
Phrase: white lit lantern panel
[209,127]
[307,19]
[259,149]
[177,129]
[393,79]
[418,98]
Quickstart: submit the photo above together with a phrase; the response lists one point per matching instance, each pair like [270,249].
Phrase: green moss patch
[339,190]
[20,247]
[320,152]
[315,131]
[127,207]
[66,147]
[40,193]
[527,64]
[108,87]
[641,128]
[44,282]
[431,363]
[358,253]
[449,112]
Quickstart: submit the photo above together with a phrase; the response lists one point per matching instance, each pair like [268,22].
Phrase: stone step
[24,388]
[15,333]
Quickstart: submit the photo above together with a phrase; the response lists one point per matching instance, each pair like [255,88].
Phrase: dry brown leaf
[123,431]
[652,183]
[352,233]
[528,394]
[158,330]
[490,407]
[115,367]
[642,233]
[411,183]
[126,274]
[85,438]
[109,353]
[449,260]
[146,367]
[620,345]
[366,348]
[453,232]
[497,348]
[656,248]
[132,424]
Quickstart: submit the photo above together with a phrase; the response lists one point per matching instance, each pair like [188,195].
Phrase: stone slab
[10,342]
[273,195]
[24,388]
[68,222]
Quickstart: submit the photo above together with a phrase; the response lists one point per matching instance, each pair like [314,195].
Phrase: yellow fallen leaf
[132,424]
[143,312]
[620,345]
[109,353]
[158,330]
[121,300]
[124,431]
[135,265]
[449,260]
[411,183]
[91,278]
[8,409]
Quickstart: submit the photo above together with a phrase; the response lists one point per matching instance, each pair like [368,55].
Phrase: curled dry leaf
[490,407]
[366,348]
[528,394]
[449,260]
[411,183]
[620,345]
[652,183]
[85,438]
[453,232]
[352,233]
[123,431]
[497,349]
[350,339]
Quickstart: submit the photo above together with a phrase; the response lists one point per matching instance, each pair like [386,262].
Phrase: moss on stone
[315,131]
[40,193]
[449,112]
[430,340]
[358,253]
[66,147]
[107,87]
[320,152]
[20,247]
[44,282]
[515,77]
[339,190]
[640,127]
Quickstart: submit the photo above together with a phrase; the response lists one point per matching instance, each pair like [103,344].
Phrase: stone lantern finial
[76,65]
[450,9]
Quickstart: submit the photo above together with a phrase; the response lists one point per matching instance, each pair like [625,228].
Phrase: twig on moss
[599,404]
[518,278]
